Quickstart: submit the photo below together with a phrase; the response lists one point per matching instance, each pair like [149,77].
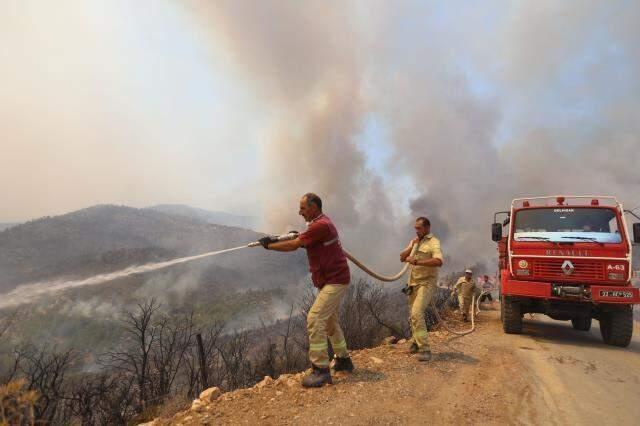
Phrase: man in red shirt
[330,275]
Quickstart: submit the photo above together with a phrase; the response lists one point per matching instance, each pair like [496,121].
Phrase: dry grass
[165,410]
[16,404]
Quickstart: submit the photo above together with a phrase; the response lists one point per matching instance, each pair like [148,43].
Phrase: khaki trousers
[322,322]
[465,303]
[419,301]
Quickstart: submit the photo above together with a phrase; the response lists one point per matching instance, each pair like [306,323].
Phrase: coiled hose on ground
[475,304]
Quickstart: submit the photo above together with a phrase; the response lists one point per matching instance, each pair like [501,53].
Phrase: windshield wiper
[531,237]
[595,240]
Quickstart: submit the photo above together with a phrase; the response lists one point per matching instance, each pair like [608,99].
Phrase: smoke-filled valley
[104,239]
[82,328]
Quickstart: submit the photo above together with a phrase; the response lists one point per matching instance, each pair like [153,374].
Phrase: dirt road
[549,375]
[579,380]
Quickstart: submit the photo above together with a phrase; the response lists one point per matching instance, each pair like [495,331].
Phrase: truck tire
[511,316]
[616,327]
[581,323]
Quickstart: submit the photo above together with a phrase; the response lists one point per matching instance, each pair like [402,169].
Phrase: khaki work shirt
[428,248]
[465,288]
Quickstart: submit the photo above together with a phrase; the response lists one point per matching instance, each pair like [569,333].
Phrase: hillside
[468,382]
[103,238]
[243,288]
[550,374]
[4,226]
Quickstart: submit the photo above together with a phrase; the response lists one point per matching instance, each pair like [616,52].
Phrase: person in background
[487,288]
[465,288]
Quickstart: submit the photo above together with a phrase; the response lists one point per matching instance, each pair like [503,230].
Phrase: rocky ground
[469,381]
[551,374]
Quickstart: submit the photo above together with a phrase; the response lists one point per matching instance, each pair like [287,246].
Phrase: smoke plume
[474,105]
[477,113]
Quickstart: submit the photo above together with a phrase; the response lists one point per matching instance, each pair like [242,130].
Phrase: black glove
[407,290]
[265,241]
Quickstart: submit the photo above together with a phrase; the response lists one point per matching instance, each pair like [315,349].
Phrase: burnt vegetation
[157,365]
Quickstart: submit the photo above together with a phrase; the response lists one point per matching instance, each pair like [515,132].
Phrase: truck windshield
[567,225]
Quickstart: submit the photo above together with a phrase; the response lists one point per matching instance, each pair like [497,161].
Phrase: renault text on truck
[569,258]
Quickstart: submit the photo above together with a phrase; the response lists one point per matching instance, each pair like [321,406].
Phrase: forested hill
[106,237]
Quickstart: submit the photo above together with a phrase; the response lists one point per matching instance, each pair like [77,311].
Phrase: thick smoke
[108,103]
[481,106]
[307,63]
[303,62]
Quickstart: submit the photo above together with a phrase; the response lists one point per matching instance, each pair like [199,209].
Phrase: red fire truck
[570,259]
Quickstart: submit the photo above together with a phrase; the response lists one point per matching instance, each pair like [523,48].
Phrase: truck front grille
[583,270]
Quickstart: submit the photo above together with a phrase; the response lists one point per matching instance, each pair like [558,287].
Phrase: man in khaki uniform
[465,288]
[425,256]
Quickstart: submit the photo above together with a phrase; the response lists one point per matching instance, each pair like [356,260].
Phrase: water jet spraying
[28,293]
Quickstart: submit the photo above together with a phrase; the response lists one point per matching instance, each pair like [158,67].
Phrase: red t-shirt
[327,262]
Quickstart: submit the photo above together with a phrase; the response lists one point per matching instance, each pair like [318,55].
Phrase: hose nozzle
[291,235]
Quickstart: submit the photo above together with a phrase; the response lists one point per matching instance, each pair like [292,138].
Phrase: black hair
[313,199]
[425,222]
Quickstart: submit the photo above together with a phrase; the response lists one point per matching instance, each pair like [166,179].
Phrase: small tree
[174,338]
[45,372]
[135,360]
[193,379]
[234,351]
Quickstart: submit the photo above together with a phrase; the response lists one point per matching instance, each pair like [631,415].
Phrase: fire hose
[475,304]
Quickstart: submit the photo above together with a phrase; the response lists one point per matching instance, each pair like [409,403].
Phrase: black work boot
[342,364]
[414,348]
[317,378]
[424,356]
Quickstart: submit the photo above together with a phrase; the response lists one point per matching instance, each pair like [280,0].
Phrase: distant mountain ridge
[215,217]
[106,237]
[4,226]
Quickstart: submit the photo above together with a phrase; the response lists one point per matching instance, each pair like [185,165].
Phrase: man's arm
[428,262]
[435,261]
[290,245]
[407,251]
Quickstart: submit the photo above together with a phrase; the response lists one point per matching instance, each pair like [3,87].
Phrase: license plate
[616,293]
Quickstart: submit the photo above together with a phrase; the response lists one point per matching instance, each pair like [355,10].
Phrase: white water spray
[28,293]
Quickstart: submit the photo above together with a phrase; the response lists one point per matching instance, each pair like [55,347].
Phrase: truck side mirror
[636,233]
[496,231]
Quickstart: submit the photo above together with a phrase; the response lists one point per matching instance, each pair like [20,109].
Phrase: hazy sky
[387,109]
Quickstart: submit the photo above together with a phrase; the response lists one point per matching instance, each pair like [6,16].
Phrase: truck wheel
[616,327]
[581,323]
[511,316]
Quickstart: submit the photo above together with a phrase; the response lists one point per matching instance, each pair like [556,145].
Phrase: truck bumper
[596,294]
